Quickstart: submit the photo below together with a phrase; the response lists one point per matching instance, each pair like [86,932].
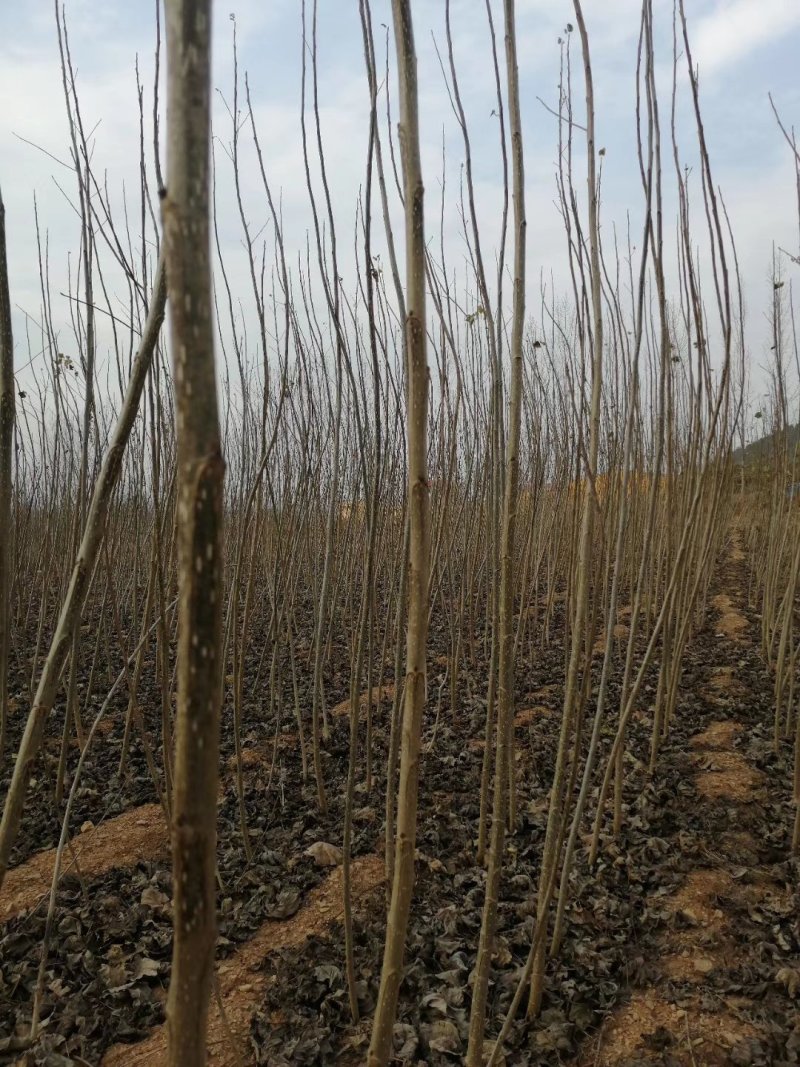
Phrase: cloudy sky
[744,49]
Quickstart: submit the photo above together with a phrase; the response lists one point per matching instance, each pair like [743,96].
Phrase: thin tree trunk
[200,549]
[419,540]
[7,413]
[505,688]
[82,573]
[578,661]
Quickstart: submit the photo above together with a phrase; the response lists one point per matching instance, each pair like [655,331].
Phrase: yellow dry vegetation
[607,485]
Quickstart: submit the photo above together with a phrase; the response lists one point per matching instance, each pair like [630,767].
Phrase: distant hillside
[764,447]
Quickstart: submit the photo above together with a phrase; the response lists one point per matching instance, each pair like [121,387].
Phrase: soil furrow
[242,982]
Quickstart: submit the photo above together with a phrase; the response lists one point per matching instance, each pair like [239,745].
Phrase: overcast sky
[743,48]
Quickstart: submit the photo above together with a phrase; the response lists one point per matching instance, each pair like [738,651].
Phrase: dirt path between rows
[698,943]
[242,982]
[377,695]
[694,952]
[141,835]
[138,835]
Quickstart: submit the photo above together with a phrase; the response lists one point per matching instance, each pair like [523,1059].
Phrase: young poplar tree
[7,412]
[88,552]
[577,665]
[200,562]
[419,539]
[508,577]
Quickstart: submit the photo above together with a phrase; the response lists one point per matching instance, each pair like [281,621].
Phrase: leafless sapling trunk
[577,660]
[505,688]
[419,539]
[82,572]
[7,412]
[200,562]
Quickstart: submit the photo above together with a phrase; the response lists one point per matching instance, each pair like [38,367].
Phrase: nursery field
[682,941]
[399,547]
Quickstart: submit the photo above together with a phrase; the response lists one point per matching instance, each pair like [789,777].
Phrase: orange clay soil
[137,835]
[241,981]
[731,623]
[379,693]
[692,954]
[702,1037]
[527,715]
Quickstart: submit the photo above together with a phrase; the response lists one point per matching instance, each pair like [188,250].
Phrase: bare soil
[141,832]
[680,1016]
[681,945]
[378,695]
[730,623]
[242,982]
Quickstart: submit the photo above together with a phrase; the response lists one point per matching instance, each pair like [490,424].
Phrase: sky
[743,49]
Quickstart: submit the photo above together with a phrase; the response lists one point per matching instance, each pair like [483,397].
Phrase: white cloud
[749,160]
[737,27]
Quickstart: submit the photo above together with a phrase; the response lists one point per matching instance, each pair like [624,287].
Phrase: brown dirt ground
[726,775]
[621,630]
[139,834]
[379,693]
[718,735]
[711,1035]
[736,552]
[260,755]
[242,984]
[731,623]
[723,772]
[698,898]
[723,686]
[691,954]
[527,715]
